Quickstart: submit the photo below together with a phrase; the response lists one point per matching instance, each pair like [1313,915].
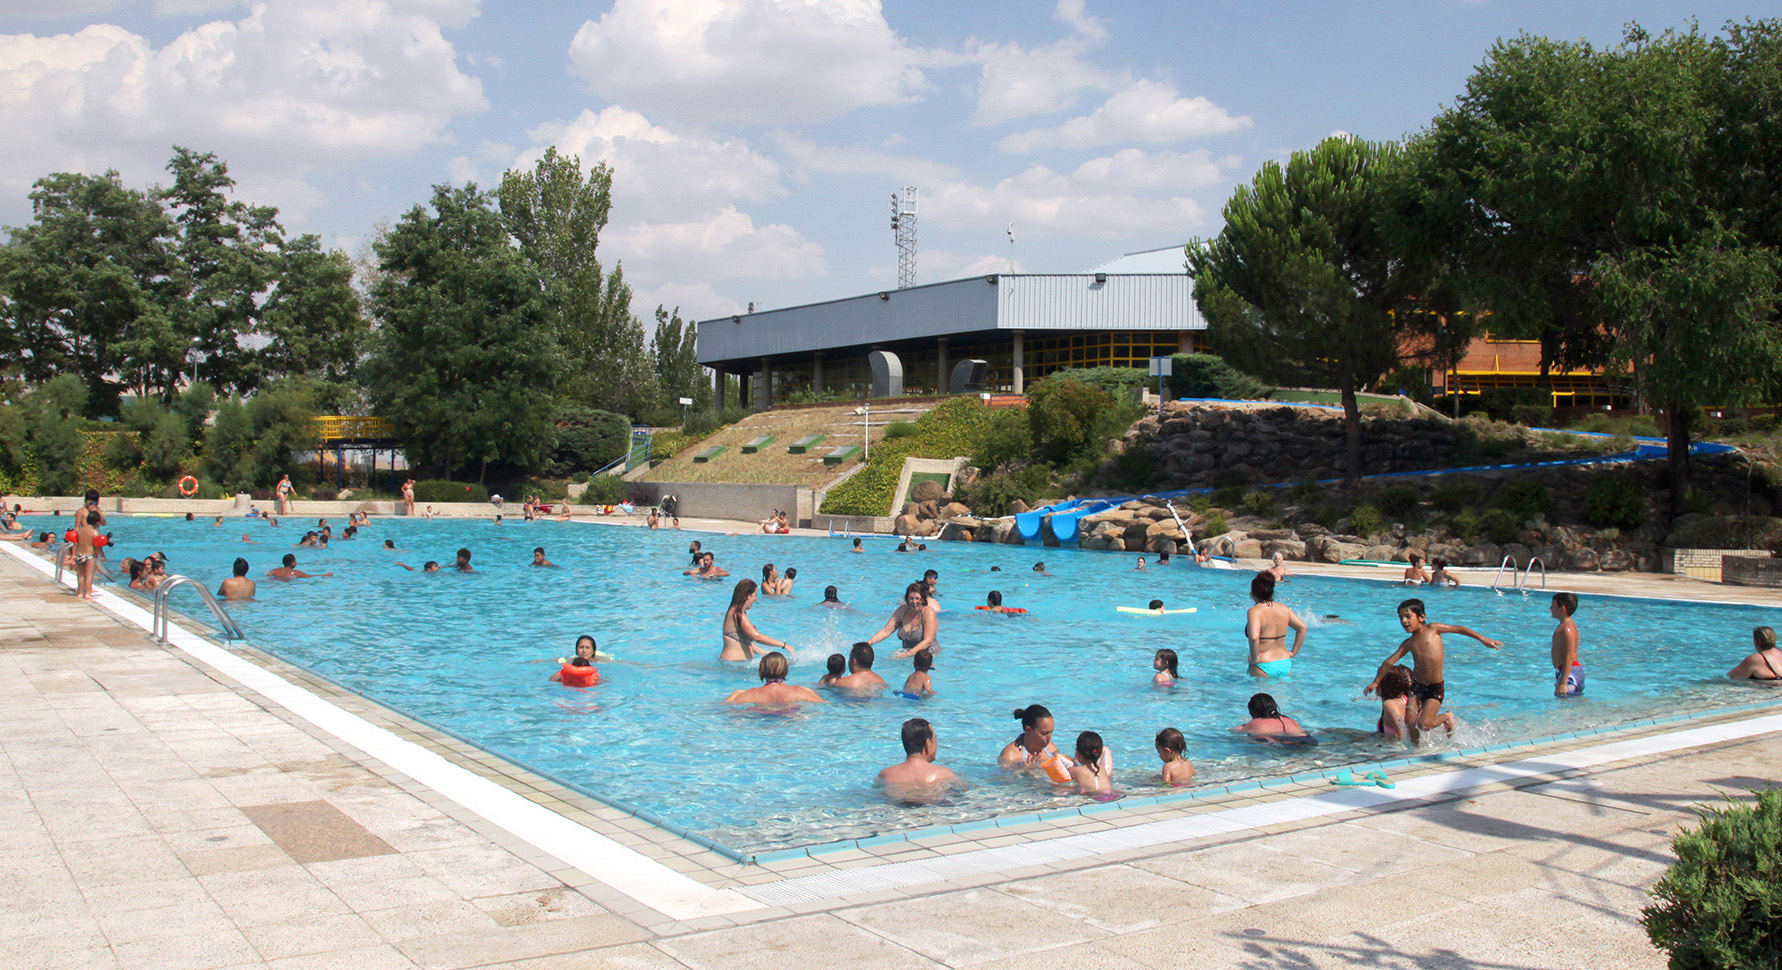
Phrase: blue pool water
[470,654]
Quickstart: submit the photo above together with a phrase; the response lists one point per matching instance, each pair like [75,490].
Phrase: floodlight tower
[903,224]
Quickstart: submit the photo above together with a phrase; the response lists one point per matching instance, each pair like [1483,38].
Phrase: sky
[755,144]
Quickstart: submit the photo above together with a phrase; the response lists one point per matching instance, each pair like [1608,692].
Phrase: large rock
[1519,554]
[909,525]
[1247,549]
[956,532]
[1016,507]
[1483,554]
[1166,530]
[955,510]
[1266,549]
[1004,531]
[1104,542]
[1384,553]
[1617,561]
[927,490]
[1583,559]
[1338,551]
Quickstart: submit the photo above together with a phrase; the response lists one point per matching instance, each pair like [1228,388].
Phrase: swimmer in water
[1266,625]
[1033,746]
[860,674]
[1267,723]
[1568,672]
[290,571]
[238,586]
[1398,708]
[1415,574]
[918,682]
[860,548]
[1765,663]
[463,563]
[787,580]
[831,597]
[1040,567]
[1093,772]
[741,639]
[1141,563]
[774,691]
[1277,569]
[1171,748]
[915,621]
[1164,662]
[918,780]
[1441,578]
[1429,659]
[838,668]
[538,559]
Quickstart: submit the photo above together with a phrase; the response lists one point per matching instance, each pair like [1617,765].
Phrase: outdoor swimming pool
[470,654]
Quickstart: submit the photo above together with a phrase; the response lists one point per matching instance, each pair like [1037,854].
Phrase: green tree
[161,444]
[465,361]
[312,317]
[56,406]
[1303,282]
[252,441]
[83,283]
[555,213]
[677,362]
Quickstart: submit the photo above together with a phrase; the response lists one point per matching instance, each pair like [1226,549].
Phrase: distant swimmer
[390,544]
[741,639]
[1765,663]
[1441,578]
[919,682]
[917,780]
[1164,662]
[290,571]
[538,559]
[1172,748]
[1040,567]
[1429,658]
[915,622]
[832,598]
[1266,625]
[838,668]
[463,563]
[1415,574]
[1163,558]
[707,568]
[244,538]
[858,546]
[578,672]
[238,586]
[1568,670]
[218,522]
[774,691]
[693,550]
[1267,723]
[860,673]
[1141,563]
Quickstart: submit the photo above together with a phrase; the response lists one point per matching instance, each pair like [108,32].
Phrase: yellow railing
[349,427]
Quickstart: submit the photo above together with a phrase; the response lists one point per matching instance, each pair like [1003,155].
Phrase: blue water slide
[1028,523]
[1064,524]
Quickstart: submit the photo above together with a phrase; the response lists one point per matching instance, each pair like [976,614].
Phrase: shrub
[1454,497]
[1261,504]
[604,490]
[1366,520]
[1138,467]
[55,433]
[1211,524]
[1229,498]
[1523,498]
[435,490]
[1327,514]
[1717,905]
[1119,383]
[1727,532]
[991,494]
[1201,504]
[588,439]
[1230,478]
[1398,501]
[1500,525]
[251,442]
[1616,500]
[900,429]
[1466,524]
[1005,440]
[705,422]
[1204,375]
[1067,419]
[1532,415]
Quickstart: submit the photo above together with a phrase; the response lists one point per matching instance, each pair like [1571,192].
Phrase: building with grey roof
[1022,325]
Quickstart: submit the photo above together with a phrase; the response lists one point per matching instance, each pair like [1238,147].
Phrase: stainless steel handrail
[1509,561]
[1523,584]
[231,630]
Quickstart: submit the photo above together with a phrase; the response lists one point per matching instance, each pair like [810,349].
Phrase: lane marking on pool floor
[682,897]
[620,867]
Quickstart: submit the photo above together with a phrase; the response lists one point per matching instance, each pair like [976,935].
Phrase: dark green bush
[1523,498]
[1212,524]
[703,423]
[1261,504]
[1466,524]
[1720,906]
[1500,525]
[1006,440]
[1138,467]
[1119,383]
[1453,497]
[1398,501]
[588,439]
[1616,500]
[1532,415]
[434,490]
[1366,520]
[1327,514]
[991,494]
[1727,532]
[1229,498]
[1071,421]
[1230,478]
[1204,375]
[55,433]
[899,429]
[604,490]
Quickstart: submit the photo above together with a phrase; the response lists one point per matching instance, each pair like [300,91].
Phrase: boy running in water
[1428,656]
[1568,673]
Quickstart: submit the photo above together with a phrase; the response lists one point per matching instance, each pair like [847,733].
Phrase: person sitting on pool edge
[774,690]
[917,780]
[238,586]
[860,674]
[1267,723]
[1765,663]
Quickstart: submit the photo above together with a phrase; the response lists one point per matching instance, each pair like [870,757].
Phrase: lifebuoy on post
[188,486]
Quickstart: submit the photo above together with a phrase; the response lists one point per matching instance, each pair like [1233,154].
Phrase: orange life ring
[1002,609]
[188,486]
[573,676]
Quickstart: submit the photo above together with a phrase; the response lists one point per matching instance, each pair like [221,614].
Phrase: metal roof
[1001,301]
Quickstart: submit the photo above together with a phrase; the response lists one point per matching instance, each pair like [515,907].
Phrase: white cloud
[697,301]
[288,87]
[1073,13]
[903,169]
[746,61]
[659,174]
[1147,112]
[1018,82]
[1104,198]
[934,265]
[1135,170]
[723,245]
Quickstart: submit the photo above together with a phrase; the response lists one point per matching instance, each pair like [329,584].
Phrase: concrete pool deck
[161,814]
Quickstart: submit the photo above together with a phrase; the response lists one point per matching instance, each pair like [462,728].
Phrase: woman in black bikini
[1765,664]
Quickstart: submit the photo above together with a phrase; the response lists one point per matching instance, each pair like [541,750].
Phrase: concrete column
[817,372]
[940,366]
[718,389]
[1020,362]
[745,388]
[766,391]
[1186,345]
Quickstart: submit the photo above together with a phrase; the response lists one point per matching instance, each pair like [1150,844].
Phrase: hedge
[955,428]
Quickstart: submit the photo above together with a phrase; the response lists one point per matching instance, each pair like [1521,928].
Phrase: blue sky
[755,143]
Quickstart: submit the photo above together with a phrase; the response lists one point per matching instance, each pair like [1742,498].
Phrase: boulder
[1004,531]
[1270,535]
[956,532]
[1384,553]
[926,490]
[1483,554]
[928,510]
[909,525]
[1103,542]
[955,510]
[1137,531]
[1248,548]
[1159,515]
[1452,552]
[1616,561]
[1162,544]
[1016,507]
[1266,549]
[1167,530]
[1334,551]
[1519,554]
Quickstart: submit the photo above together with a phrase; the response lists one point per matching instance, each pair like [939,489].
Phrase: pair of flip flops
[1375,778]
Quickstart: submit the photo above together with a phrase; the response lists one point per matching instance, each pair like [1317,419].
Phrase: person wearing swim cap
[917,780]
[774,691]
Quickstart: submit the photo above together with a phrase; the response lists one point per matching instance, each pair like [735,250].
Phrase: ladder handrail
[1523,584]
[1509,561]
[230,629]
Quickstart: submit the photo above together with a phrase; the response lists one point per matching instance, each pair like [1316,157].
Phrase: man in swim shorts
[1568,673]
[1428,656]
[917,780]
[238,586]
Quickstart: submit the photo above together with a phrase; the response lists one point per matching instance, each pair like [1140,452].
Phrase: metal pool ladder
[226,623]
[1520,577]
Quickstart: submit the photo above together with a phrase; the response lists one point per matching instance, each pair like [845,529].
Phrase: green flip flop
[1348,780]
[1378,777]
